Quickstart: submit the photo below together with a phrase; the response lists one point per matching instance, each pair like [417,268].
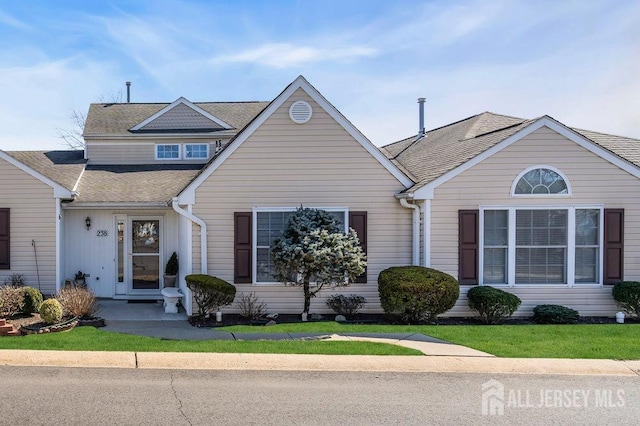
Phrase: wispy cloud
[285,55]
[6,19]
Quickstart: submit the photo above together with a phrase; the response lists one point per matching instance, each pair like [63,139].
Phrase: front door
[145,254]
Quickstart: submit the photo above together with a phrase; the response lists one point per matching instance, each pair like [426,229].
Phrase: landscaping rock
[340,318]
[271,322]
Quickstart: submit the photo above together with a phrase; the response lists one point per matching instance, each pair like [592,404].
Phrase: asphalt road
[44,395]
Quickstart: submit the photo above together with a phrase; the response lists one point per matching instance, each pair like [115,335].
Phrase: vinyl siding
[33,218]
[116,152]
[317,164]
[95,255]
[593,181]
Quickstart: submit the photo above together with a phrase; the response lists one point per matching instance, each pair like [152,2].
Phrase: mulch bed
[236,319]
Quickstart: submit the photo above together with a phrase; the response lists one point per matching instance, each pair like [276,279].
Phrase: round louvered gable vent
[300,112]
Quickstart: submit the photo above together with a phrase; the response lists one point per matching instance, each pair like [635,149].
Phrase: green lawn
[91,339]
[607,341]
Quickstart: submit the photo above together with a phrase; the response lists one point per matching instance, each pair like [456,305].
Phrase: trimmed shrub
[493,304]
[51,311]
[32,300]
[11,300]
[172,265]
[77,301]
[346,305]
[627,296]
[555,314]
[250,306]
[210,293]
[415,293]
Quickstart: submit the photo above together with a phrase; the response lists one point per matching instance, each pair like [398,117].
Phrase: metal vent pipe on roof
[421,131]
[128,83]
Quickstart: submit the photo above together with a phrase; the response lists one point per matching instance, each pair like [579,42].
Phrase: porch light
[87,222]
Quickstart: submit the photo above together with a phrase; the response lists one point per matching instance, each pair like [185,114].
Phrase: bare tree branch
[72,136]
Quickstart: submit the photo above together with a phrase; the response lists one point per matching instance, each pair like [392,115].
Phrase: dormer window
[540,180]
[196,151]
[168,152]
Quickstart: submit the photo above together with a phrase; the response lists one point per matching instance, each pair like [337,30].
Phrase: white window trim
[254,234]
[571,245]
[184,151]
[541,166]
[155,151]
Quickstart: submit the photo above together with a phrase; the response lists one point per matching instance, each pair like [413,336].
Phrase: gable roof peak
[198,118]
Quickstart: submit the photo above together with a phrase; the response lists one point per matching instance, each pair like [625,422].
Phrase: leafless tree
[72,136]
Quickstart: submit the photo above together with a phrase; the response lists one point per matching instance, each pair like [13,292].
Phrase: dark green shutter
[4,239]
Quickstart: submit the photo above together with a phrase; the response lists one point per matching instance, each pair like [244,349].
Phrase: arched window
[541,181]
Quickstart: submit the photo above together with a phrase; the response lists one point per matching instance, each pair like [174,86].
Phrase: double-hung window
[525,245]
[268,226]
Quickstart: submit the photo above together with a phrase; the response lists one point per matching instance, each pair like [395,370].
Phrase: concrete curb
[30,358]
[277,362]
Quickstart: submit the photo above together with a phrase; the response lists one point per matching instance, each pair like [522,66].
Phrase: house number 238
[101,233]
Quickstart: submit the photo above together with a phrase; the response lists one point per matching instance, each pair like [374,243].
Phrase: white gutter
[203,232]
[416,229]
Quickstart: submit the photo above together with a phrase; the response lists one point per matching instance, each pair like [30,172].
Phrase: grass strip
[91,339]
[594,341]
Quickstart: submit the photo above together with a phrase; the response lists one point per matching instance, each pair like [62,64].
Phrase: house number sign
[102,233]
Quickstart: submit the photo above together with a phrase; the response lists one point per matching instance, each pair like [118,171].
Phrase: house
[529,205]
[537,208]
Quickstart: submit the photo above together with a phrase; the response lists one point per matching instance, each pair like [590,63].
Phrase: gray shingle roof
[445,148]
[130,184]
[63,167]
[117,119]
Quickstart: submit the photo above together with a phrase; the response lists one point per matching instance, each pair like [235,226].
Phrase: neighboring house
[528,205]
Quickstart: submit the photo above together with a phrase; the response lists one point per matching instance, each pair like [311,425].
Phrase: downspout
[203,232]
[416,229]
[59,236]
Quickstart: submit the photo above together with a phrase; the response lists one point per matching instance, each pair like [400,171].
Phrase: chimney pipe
[128,83]
[421,131]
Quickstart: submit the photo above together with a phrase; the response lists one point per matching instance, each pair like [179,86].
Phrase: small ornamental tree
[313,248]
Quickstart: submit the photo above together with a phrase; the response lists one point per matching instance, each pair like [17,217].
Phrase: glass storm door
[145,254]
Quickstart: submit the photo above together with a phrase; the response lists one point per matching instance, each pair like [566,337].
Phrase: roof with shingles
[448,147]
[63,167]
[131,184]
[117,119]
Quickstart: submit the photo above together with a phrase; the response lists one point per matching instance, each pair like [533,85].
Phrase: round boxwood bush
[210,293]
[51,311]
[415,293]
[492,304]
[555,314]
[32,300]
[627,296]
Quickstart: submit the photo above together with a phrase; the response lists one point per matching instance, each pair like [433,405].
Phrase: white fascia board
[427,191]
[105,139]
[59,191]
[95,205]
[184,101]
[299,83]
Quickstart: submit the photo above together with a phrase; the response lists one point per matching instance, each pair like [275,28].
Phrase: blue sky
[578,61]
